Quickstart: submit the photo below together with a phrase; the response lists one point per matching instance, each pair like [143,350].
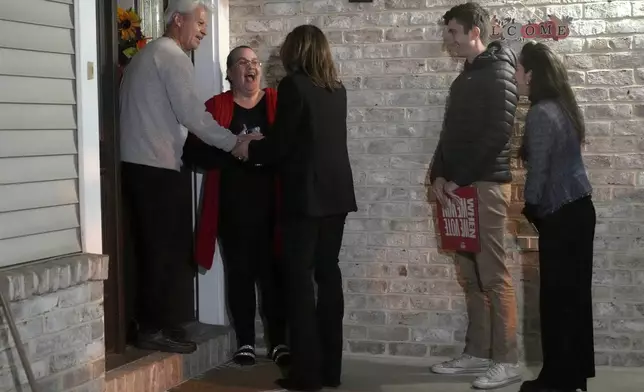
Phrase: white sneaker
[465,364]
[498,376]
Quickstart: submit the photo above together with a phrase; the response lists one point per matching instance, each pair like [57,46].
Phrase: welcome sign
[554,28]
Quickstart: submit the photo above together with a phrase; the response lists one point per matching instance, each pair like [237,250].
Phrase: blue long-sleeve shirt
[555,169]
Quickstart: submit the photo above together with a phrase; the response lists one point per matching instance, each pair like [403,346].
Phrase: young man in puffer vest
[474,149]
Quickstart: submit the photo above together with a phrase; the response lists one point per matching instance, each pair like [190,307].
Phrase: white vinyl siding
[39,214]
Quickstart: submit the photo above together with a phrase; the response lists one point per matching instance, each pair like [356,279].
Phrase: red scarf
[221,107]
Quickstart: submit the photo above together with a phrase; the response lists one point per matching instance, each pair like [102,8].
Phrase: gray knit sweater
[555,169]
[158,102]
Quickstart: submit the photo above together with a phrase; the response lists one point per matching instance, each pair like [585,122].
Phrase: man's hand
[437,188]
[449,189]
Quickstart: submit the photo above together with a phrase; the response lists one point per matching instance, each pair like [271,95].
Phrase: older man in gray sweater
[159,105]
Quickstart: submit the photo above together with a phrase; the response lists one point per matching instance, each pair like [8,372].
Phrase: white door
[210,67]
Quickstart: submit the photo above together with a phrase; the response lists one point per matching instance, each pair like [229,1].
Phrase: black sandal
[281,355]
[245,356]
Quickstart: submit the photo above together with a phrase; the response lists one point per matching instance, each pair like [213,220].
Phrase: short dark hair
[232,58]
[470,15]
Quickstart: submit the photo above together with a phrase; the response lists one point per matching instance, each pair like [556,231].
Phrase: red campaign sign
[458,222]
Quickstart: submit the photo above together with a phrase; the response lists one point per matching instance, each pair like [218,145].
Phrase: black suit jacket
[308,143]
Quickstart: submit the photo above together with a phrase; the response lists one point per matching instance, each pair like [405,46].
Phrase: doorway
[121,286]
[114,288]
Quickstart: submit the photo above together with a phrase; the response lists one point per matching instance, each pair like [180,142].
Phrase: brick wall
[58,309]
[402,296]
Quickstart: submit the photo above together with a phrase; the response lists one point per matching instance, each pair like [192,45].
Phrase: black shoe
[158,341]
[245,356]
[538,386]
[292,385]
[530,386]
[177,333]
[331,384]
[280,355]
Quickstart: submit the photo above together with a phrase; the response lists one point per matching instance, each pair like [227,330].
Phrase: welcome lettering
[555,28]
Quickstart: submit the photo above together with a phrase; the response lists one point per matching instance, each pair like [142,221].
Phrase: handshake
[240,151]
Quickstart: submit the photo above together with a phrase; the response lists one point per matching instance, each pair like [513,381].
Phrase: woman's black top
[246,191]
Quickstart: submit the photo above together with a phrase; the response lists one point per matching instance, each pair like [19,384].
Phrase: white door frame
[87,110]
[210,69]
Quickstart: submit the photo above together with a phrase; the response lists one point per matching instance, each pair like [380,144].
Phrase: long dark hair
[307,50]
[550,81]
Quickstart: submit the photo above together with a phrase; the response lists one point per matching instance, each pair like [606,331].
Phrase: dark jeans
[161,228]
[249,260]
[566,264]
[311,250]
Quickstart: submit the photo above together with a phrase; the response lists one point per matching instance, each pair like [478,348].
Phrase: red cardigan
[221,107]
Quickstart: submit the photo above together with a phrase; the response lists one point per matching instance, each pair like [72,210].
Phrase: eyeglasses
[245,63]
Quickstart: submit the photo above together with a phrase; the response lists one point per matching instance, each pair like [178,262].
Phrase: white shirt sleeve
[177,72]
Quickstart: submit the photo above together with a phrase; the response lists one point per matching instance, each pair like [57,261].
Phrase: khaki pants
[491,302]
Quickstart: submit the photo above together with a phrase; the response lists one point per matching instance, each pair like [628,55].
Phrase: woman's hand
[241,149]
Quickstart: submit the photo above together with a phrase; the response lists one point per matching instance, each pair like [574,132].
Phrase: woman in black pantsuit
[559,204]
[309,148]
[566,255]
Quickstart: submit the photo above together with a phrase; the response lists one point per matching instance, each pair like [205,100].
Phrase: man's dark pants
[160,215]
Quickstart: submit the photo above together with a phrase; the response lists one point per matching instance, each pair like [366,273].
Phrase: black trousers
[311,250]
[566,263]
[249,262]
[160,216]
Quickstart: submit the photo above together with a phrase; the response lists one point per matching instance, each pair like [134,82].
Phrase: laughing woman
[558,203]
[239,203]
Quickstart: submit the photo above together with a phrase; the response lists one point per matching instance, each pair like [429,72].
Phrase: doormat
[234,378]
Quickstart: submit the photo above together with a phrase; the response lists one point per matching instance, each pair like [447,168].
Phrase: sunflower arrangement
[131,39]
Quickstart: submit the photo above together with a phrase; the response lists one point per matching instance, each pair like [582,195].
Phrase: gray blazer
[555,169]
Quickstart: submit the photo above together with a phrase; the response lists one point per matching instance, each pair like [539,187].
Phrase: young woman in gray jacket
[558,203]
